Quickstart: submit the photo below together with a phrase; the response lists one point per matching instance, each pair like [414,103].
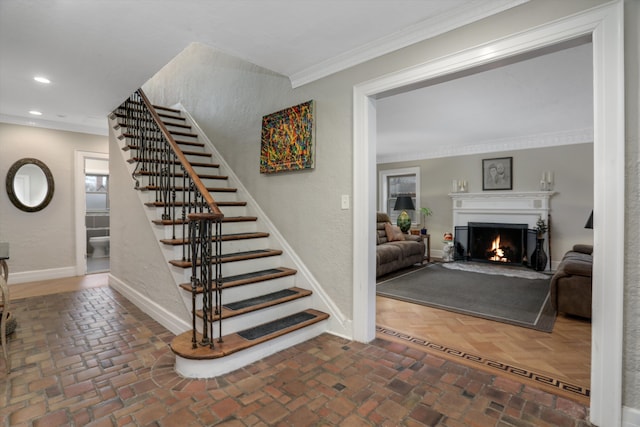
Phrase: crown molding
[50,124]
[418,32]
[578,136]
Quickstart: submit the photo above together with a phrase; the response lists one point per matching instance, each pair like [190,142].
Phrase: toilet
[100,246]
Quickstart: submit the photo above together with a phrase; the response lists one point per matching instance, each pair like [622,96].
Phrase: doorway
[92,212]
[609,167]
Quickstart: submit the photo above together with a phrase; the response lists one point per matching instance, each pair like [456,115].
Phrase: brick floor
[91,358]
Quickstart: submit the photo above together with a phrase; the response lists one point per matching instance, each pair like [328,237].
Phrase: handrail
[159,157]
[215,211]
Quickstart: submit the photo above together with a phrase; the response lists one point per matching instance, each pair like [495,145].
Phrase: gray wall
[631,374]
[570,206]
[228,98]
[43,240]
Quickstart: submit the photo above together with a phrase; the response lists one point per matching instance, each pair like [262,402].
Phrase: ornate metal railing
[186,204]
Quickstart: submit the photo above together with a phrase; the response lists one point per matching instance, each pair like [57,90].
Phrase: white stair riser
[190,368]
[175,251]
[176,211]
[169,232]
[245,321]
[183,275]
[239,293]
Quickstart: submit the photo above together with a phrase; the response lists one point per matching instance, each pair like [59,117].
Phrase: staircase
[244,303]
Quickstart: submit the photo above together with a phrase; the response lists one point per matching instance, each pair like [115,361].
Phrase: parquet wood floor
[565,353]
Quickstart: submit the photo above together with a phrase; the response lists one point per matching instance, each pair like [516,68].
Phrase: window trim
[383,188]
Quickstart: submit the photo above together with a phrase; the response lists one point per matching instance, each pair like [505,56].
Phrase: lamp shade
[589,223]
[404,202]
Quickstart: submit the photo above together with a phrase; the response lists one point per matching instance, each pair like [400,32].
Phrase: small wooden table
[427,244]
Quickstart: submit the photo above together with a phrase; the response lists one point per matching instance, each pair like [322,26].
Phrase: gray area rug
[513,300]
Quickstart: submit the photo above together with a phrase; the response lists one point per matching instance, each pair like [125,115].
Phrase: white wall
[570,206]
[136,258]
[228,97]
[42,243]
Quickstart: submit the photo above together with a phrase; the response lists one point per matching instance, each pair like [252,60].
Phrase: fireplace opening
[497,242]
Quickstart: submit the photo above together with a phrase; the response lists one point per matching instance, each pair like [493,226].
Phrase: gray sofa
[571,283]
[396,254]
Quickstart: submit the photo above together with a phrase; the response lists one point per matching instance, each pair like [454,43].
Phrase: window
[394,182]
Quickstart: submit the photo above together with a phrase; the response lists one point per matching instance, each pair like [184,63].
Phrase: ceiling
[542,99]
[97,52]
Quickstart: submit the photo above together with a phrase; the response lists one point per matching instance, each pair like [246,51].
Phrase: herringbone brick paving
[91,358]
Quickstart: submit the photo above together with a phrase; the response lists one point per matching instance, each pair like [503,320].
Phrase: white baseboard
[630,417]
[158,313]
[33,276]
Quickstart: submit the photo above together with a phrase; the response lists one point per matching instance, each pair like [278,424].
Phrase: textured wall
[631,375]
[46,239]
[228,97]
[136,255]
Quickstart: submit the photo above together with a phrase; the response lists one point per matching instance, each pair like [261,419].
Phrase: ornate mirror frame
[11,175]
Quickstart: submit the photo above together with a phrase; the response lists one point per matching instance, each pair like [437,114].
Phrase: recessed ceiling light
[41,79]
[35,113]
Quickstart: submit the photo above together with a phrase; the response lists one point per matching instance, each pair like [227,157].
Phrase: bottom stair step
[181,345]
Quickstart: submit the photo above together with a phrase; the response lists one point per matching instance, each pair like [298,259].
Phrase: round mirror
[29,185]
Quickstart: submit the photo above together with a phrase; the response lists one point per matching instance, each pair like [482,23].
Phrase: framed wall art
[288,139]
[497,174]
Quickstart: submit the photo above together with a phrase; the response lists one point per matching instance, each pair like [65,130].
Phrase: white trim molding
[605,26]
[464,14]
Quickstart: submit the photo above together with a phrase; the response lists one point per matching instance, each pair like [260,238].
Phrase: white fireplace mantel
[512,207]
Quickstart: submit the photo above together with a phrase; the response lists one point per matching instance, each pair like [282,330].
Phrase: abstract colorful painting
[288,139]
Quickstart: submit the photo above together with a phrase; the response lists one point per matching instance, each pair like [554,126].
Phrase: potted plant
[539,257]
[425,213]
[541,227]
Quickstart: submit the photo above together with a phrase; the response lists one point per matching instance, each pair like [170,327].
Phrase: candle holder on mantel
[546,183]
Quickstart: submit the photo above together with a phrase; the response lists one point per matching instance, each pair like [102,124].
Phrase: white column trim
[605,25]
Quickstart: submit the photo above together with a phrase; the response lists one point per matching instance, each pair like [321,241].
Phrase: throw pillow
[393,232]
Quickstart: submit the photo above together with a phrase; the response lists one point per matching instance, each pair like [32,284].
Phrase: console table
[4,319]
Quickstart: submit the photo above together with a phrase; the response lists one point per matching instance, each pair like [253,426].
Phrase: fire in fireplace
[496,242]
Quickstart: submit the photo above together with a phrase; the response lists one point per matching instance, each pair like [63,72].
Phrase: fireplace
[500,243]
[516,214]
[497,242]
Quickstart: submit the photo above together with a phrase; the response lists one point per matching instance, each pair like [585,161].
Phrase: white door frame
[81,207]
[605,25]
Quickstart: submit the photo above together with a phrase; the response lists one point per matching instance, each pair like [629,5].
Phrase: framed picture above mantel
[497,174]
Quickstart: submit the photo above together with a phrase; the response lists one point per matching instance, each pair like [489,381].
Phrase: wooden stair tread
[176,162]
[172,110]
[179,142]
[232,257]
[181,345]
[185,152]
[209,189]
[224,237]
[258,303]
[165,121]
[247,278]
[225,219]
[223,203]
[150,173]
